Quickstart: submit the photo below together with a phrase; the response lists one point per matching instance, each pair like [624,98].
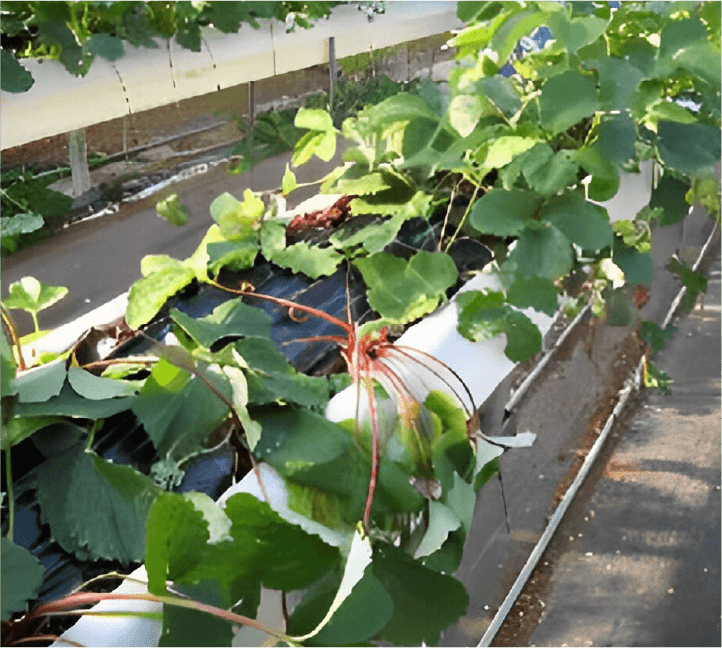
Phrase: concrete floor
[644,564]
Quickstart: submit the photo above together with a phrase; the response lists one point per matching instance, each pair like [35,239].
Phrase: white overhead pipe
[145,78]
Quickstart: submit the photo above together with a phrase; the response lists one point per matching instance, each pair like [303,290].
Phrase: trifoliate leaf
[481,314]
[401,290]
[83,496]
[548,173]
[69,403]
[464,113]
[237,254]
[582,222]
[22,574]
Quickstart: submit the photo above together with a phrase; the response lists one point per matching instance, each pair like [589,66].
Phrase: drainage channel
[632,384]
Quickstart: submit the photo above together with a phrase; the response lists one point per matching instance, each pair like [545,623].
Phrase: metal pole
[78,149]
[331,69]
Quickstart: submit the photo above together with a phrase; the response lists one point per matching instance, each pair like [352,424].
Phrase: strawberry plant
[377,506]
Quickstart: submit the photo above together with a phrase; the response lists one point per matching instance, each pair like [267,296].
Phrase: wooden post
[251,116]
[331,69]
[78,148]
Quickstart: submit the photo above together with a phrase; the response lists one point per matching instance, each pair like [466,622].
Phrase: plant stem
[34,315]
[12,330]
[11,495]
[446,217]
[67,604]
[463,218]
[91,433]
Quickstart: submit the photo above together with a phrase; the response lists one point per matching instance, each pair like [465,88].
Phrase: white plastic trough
[482,366]
[145,78]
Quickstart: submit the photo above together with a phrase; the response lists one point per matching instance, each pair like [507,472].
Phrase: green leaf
[689,148]
[504,149]
[22,575]
[346,609]
[301,257]
[105,45]
[548,173]
[578,32]
[533,292]
[694,282]
[313,119]
[582,222]
[371,183]
[148,295]
[541,252]
[616,137]
[289,183]
[14,78]
[236,218]
[618,82]
[237,254]
[83,496]
[507,35]
[33,296]
[374,237]
[239,398]
[258,531]
[40,383]
[96,388]
[481,314]
[400,107]
[401,290]
[307,449]
[156,262]
[503,213]
[442,521]
[605,176]
[172,210]
[703,60]
[566,99]
[13,226]
[524,340]
[179,412]
[8,369]
[416,592]
[69,403]
[502,93]
[464,113]
[637,266]
[175,532]
[19,429]
[654,335]
[670,195]
[231,319]
[271,378]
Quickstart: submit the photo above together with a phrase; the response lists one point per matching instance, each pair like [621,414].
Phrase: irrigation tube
[631,384]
